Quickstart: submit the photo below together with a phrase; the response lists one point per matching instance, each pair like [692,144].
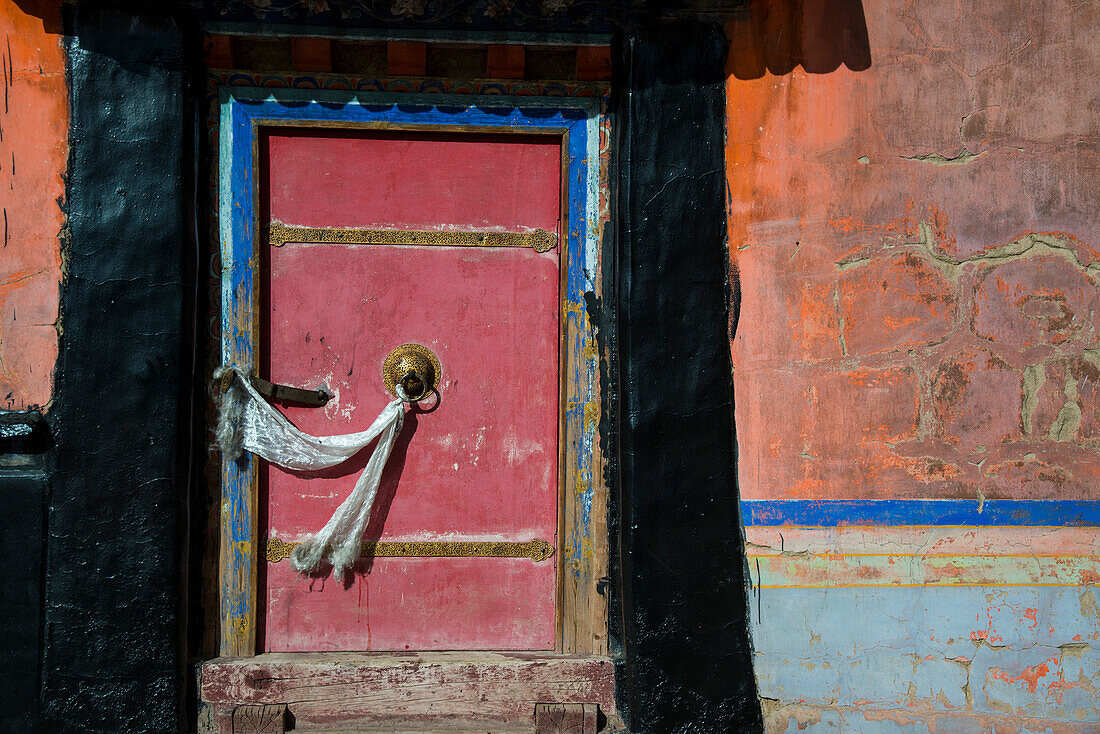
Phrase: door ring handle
[407,365]
[415,386]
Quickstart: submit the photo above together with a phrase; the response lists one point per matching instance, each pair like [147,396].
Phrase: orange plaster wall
[33,149]
[914,227]
[915,243]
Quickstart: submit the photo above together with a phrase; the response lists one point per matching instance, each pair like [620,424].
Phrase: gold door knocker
[415,368]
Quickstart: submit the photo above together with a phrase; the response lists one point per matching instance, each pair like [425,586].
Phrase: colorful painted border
[243,109]
[408,85]
[835,513]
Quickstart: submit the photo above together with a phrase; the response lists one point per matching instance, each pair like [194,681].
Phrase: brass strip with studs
[537,550]
[278,234]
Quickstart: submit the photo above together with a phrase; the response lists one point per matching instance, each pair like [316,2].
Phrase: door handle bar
[274,391]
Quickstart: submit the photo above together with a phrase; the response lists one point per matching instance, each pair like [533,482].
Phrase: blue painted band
[887,513]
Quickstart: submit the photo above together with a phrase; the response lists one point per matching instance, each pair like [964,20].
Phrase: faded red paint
[902,303]
[483,466]
[1033,615]
[969,404]
[33,149]
[986,635]
[484,182]
[1029,676]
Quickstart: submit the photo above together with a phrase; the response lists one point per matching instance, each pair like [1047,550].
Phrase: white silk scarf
[247,422]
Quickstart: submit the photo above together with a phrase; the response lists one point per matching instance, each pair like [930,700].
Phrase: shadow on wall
[48,10]
[778,35]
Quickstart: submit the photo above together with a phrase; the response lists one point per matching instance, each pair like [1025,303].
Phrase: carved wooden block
[262,719]
[505,62]
[311,54]
[594,62]
[566,718]
[407,58]
[219,52]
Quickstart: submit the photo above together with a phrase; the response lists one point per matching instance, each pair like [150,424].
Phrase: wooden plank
[407,58]
[426,691]
[566,718]
[311,54]
[584,508]
[594,63]
[265,719]
[237,566]
[218,52]
[505,62]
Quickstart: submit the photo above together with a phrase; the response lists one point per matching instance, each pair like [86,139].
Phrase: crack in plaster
[937,159]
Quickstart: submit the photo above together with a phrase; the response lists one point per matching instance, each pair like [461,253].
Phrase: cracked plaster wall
[915,263]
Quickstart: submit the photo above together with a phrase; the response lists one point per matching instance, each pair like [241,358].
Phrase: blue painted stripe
[834,513]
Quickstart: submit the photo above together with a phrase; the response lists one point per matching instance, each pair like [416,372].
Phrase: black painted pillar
[23,499]
[112,652]
[687,660]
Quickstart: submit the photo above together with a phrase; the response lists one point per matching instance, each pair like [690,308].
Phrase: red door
[482,467]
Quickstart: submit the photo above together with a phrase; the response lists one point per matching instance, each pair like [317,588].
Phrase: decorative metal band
[278,234]
[537,550]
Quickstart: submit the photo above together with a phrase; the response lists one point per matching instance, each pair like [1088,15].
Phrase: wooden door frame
[582,552]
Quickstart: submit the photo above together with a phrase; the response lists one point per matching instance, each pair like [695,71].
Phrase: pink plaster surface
[406,181]
[481,466]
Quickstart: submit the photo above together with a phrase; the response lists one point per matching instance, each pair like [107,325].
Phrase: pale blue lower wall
[963,652]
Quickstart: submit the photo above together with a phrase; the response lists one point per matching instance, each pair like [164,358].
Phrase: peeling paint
[937,159]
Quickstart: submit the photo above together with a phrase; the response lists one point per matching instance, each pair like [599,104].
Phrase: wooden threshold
[407,692]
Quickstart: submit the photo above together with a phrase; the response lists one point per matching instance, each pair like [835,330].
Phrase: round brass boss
[415,367]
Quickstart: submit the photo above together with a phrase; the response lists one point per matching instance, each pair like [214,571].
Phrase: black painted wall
[687,659]
[112,654]
[23,497]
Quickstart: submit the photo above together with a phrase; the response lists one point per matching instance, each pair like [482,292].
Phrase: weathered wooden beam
[262,719]
[464,691]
